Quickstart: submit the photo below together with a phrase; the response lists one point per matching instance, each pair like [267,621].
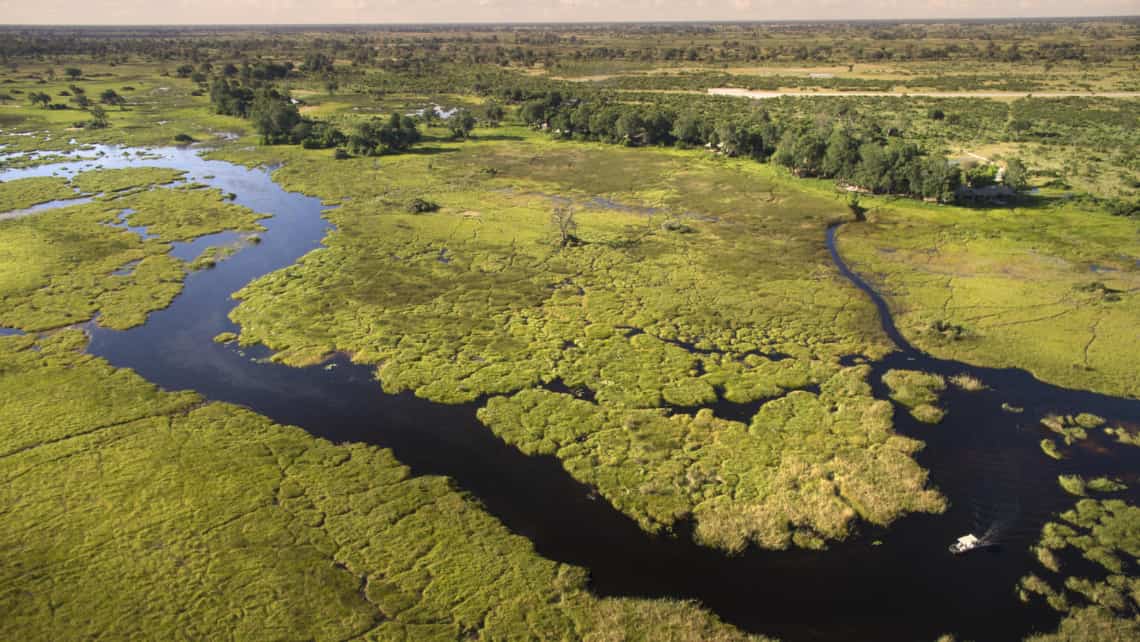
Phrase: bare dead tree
[563,217]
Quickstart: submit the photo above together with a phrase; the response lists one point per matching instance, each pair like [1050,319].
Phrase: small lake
[897,584]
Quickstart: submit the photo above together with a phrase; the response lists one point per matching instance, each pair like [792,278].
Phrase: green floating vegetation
[1072,429]
[805,470]
[917,391]
[25,192]
[1073,484]
[1049,447]
[969,383]
[1124,436]
[1106,485]
[213,255]
[1079,486]
[226,337]
[106,181]
[481,299]
[1106,532]
[148,501]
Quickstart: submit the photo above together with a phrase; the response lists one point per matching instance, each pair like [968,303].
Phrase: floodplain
[374,377]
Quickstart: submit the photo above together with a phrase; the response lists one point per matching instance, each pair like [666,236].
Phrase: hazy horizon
[378,12]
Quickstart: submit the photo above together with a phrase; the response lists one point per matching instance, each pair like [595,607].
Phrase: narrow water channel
[898,584]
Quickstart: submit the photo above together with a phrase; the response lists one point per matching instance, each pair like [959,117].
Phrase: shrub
[420,206]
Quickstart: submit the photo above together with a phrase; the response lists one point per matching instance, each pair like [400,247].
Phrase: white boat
[966,543]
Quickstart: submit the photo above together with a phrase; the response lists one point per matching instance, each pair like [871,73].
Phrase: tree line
[277,120]
[849,148]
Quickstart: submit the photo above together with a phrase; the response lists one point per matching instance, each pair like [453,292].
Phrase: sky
[421,11]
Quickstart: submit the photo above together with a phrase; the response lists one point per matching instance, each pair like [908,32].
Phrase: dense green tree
[687,129]
[230,98]
[461,123]
[39,98]
[374,136]
[317,62]
[112,97]
[630,127]
[317,135]
[1016,175]
[842,154]
[940,180]
[802,150]
[274,116]
[99,118]
[493,112]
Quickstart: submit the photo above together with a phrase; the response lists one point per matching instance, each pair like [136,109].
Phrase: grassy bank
[132,512]
[1052,289]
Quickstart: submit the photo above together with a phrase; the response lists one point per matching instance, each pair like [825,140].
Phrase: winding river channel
[900,583]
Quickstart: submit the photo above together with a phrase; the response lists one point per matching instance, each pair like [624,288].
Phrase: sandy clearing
[997,95]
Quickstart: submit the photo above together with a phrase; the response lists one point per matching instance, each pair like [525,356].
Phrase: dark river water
[894,584]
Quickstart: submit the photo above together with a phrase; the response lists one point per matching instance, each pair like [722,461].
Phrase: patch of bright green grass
[211,256]
[116,180]
[1124,436]
[57,268]
[1053,289]
[26,192]
[182,214]
[132,512]
[804,471]
[917,391]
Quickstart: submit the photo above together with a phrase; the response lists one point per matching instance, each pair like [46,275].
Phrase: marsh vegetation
[557,232]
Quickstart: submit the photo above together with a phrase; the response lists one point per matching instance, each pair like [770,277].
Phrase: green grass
[1010,287]
[26,192]
[185,213]
[918,392]
[1124,436]
[158,109]
[805,470]
[116,180]
[479,299]
[132,512]
[213,255]
[58,267]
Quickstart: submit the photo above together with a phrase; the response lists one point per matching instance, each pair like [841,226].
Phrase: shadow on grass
[430,151]
[473,138]
[494,137]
